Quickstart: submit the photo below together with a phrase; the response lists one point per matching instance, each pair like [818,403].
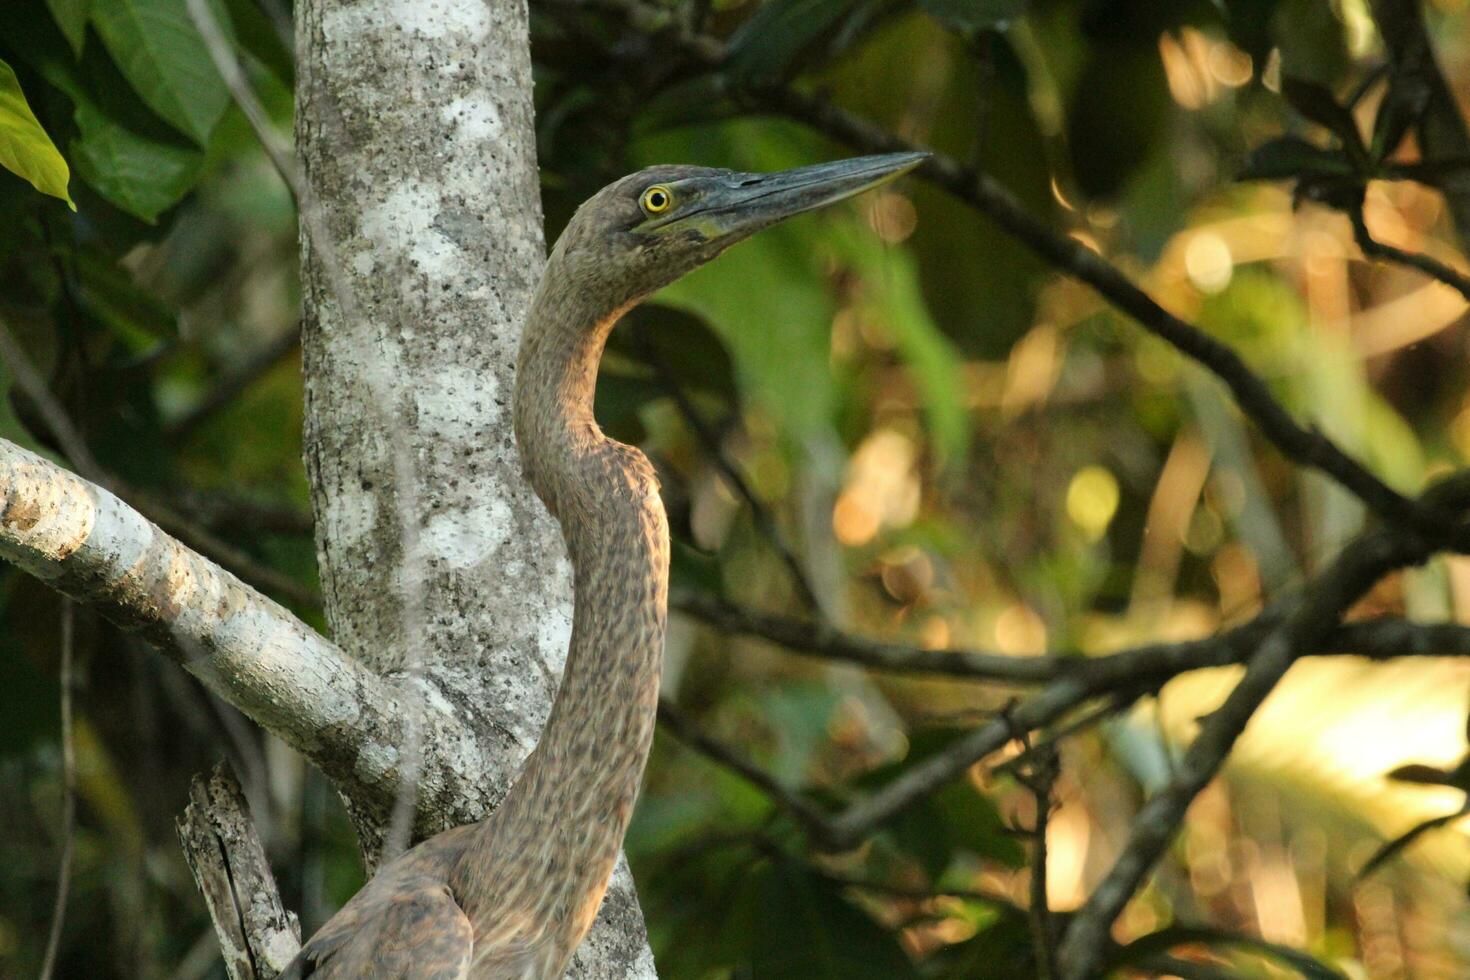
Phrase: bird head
[642,232]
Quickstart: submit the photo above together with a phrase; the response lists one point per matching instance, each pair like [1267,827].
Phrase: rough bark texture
[83,541]
[414,122]
[257,936]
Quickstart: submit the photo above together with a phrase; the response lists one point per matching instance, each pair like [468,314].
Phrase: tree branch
[1427,264]
[1379,639]
[1362,563]
[1082,680]
[806,813]
[734,478]
[68,788]
[1303,445]
[1441,129]
[257,936]
[83,541]
[1039,777]
[229,387]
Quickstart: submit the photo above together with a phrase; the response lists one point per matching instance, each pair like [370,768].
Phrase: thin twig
[818,639]
[1426,264]
[710,442]
[221,510]
[68,789]
[1039,776]
[66,434]
[233,74]
[922,779]
[1361,564]
[400,822]
[69,437]
[1148,664]
[918,894]
[1031,753]
[1305,446]
[235,382]
[805,812]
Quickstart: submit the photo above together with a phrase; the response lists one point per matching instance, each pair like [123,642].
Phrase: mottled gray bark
[414,123]
[257,935]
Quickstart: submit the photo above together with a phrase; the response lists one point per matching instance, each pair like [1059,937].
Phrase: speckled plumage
[510,898]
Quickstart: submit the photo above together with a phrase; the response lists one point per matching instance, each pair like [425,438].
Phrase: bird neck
[552,844]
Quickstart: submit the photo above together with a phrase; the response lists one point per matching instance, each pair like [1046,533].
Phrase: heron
[510,897]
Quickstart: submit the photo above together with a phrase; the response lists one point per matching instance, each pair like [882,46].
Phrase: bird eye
[656,200]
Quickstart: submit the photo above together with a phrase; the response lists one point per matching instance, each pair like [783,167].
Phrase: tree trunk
[438,565]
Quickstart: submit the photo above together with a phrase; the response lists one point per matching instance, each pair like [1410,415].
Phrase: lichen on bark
[415,128]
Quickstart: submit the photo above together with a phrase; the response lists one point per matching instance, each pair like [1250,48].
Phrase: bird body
[511,897]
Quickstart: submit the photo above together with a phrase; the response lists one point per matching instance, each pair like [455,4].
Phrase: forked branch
[85,542]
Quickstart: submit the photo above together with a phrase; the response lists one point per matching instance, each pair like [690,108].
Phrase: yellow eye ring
[657,199]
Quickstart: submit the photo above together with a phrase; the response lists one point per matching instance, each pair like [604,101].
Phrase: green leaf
[25,149]
[771,45]
[970,15]
[1116,115]
[71,17]
[1317,103]
[766,302]
[893,296]
[1001,947]
[140,319]
[976,825]
[804,927]
[142,175]
[1290,157]
[158,49]
[123,150]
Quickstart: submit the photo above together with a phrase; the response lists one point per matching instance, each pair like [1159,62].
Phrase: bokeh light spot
[1092,500]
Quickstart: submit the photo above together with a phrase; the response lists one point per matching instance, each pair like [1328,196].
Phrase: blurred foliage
[964,448]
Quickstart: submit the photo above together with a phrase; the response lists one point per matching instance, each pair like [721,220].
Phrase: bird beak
[739,205]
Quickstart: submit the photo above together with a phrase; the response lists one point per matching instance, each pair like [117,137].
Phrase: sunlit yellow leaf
[25,149]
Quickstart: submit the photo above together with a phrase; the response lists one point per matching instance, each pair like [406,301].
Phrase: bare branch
[794,804]
[66,434]
[257,936]
[236,381]
[83,541]
[1426,264]
[815,639]
[1383,639]
[1303,445]
[69,437]
[1354,571]
[1039,777]
[734,478]
[68,788]
[217,510]
[920,780]
[221,53]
